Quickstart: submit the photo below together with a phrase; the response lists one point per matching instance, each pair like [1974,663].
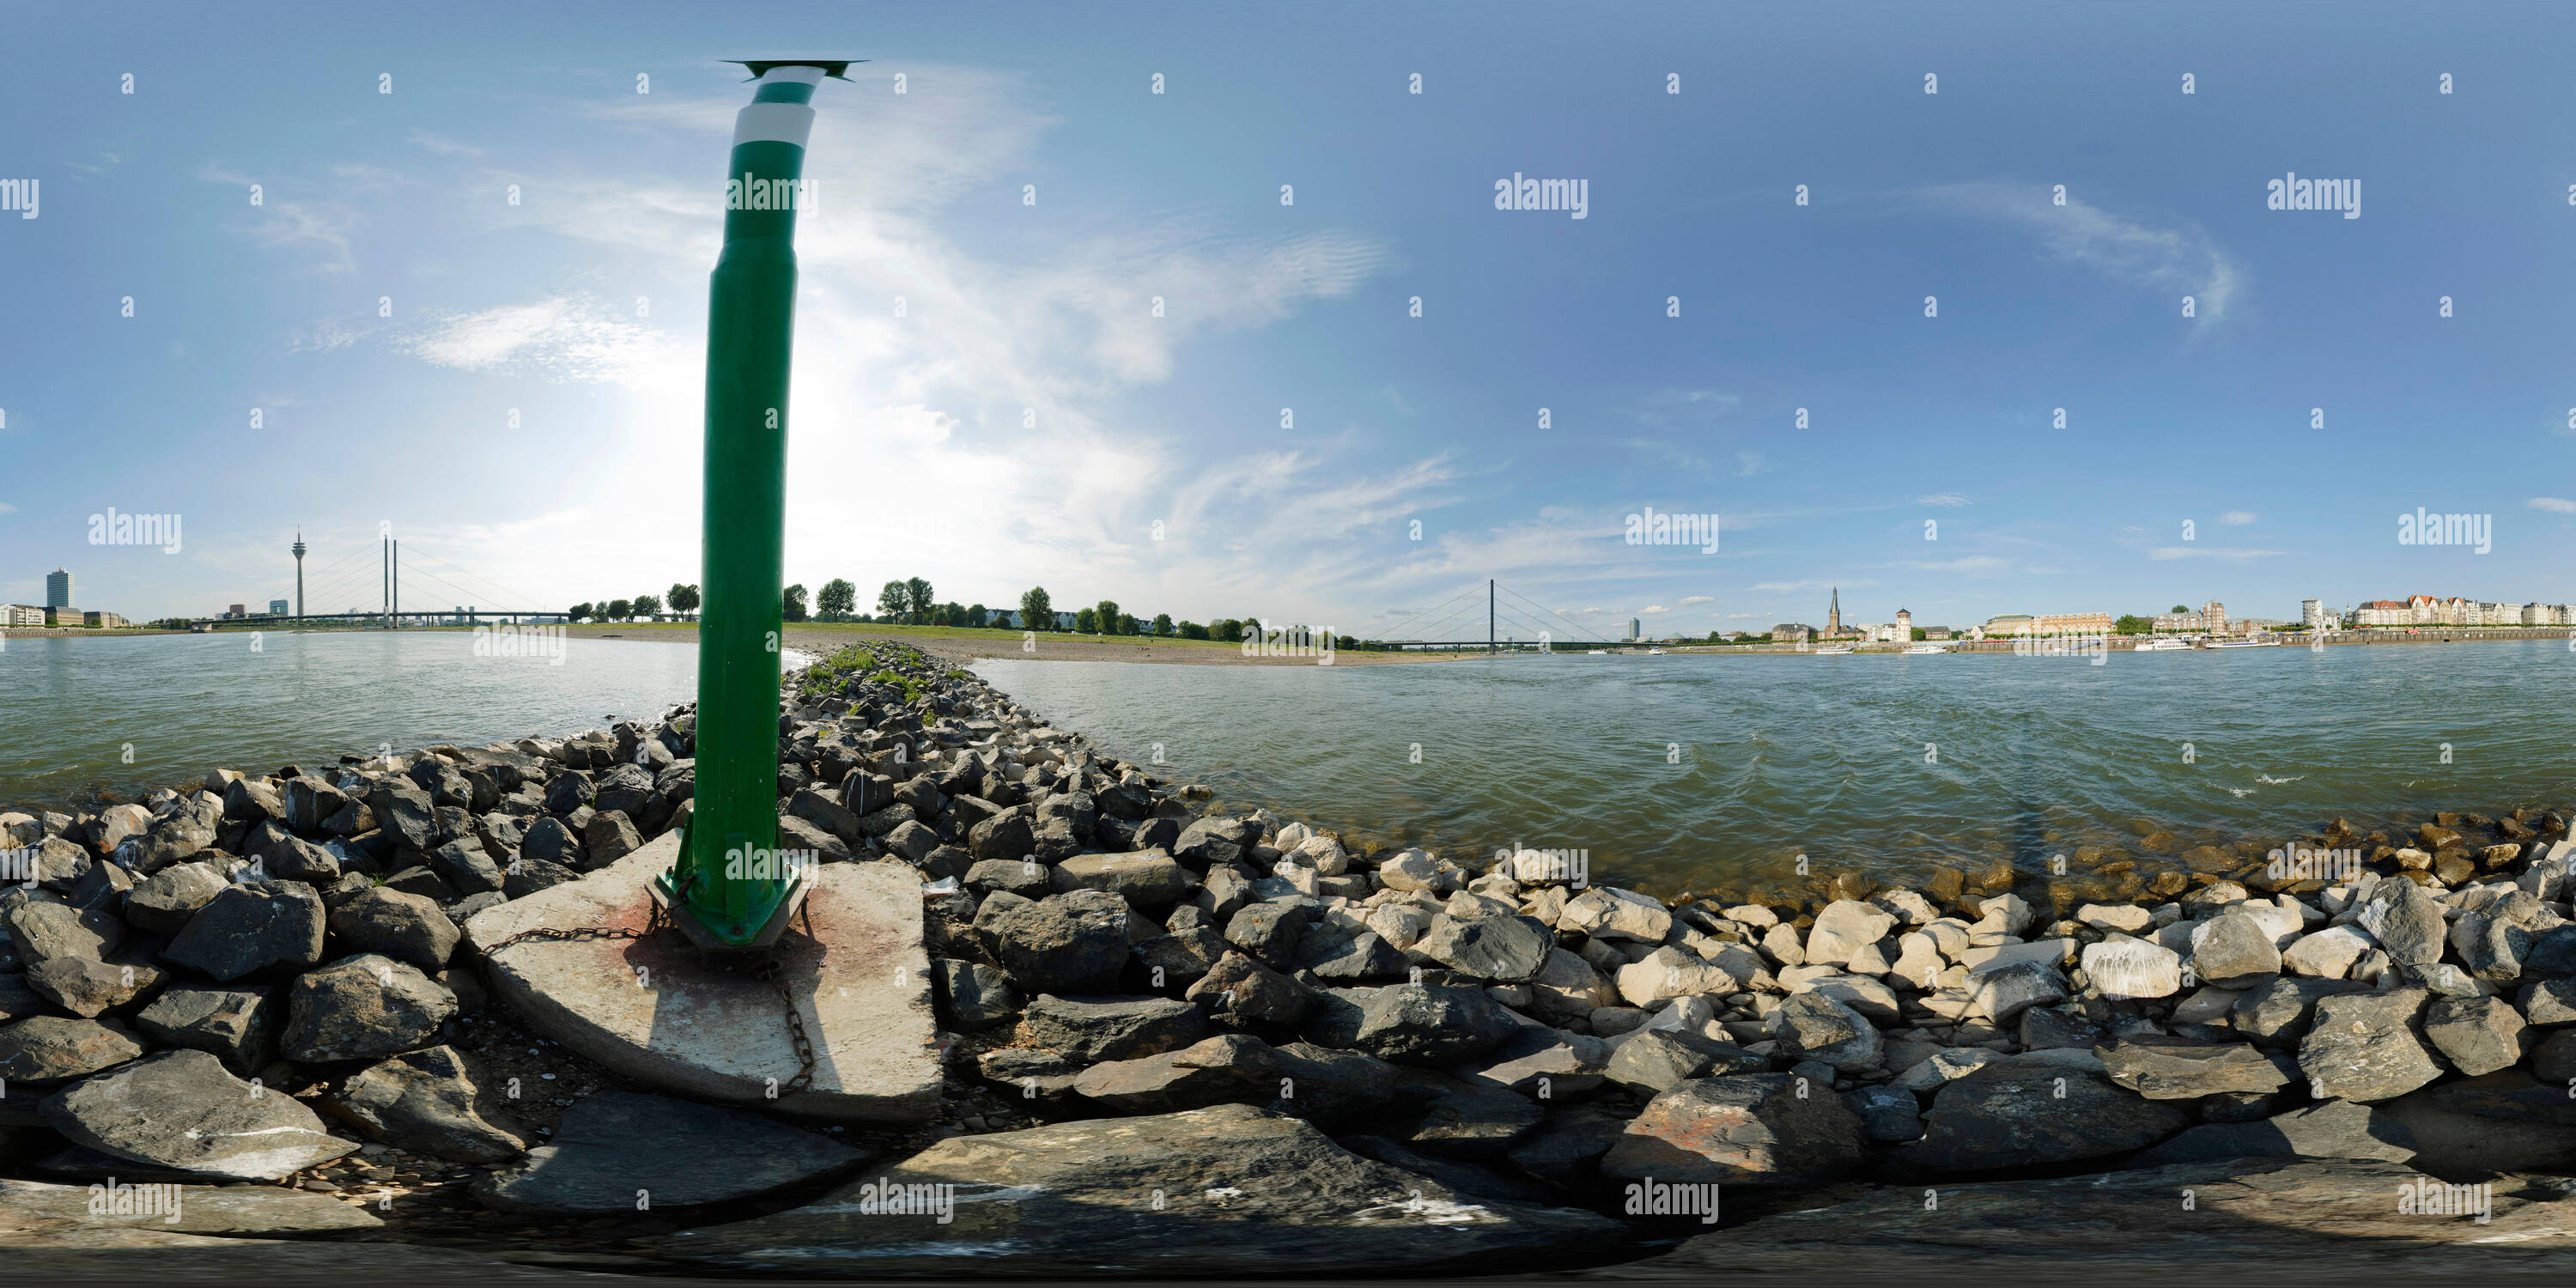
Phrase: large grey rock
[1823,1028]
[405,927]
[365,1007]
[1272,931]
[1461,1118]
[52,1048]
[2003,992]
[2120,967]
[44,931]
[2335,1129]
[1888,1115]
[2476,1034]
[1236,1068]
[1144,878]
[653,1011]
[1845,927]
[2233,950]
[1507,950]
[1089,1030]
[1658,1060]
[163,902]
[1417,1024]
[235,1025]
[2497,1122]
[2009,1115]
[1544,1064]
[1606,912]
[90,988]
[678,1153]
[433,1102]
[2368,1046]
[2278,1012]
[1747,1129]
[181,1110]
[1066,943]
[251,928]
[2408,924]
[465,868]
[37,1218]
[2169,1068]
[1243,1193]
[975,996]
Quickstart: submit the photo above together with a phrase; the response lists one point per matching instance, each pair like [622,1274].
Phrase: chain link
[770,967]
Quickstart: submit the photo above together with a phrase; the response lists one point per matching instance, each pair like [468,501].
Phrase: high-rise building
[2213,617]
[2313,612]
[58,589]
[277,608]
[1636,629]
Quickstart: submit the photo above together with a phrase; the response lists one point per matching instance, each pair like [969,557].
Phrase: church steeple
[1834,615]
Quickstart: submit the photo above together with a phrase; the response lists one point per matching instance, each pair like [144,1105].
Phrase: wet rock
[678,1152]
[2168,1068]
[249,928]
[1248,1193]
[1748,1129]
[235,1025]
[432,1102]
[405,927]
[181,1110]
[2367,1046]
[366,1007]
[51,1048]
[2024,1116]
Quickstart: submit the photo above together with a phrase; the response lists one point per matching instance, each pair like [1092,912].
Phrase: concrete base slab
[659,1011]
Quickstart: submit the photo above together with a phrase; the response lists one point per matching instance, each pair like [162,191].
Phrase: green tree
[1107,615]
[1230,630]
[580,612]
[892,600]
[619,609]
[2132,624]
[1085,621]
[1037,612]
[794,609]
[976,615]
[1162,623]
[2180,609]
[838,598]
[646,605]
[684,599]
[917,599]
[1193,631]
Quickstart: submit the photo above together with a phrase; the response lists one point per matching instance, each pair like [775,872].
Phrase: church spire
[1834,614]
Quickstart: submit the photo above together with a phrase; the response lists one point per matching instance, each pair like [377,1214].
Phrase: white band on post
[774,122]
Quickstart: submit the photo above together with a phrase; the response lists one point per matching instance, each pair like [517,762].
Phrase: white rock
[2127,918]
[1547,906]
[1608,913]
[1752,914]
[2045,952]
[2007,992]
[2121,967]
[1781,945]
[1293,833]
[1871,959]
[2208,1006]
[1910,908]
[2007,913]
[1917,963]
[1949,936]
[2328,954]
[1325,855]
[2282,924]
[1409,870]
[1400,925]
[1844,927]
[1670,973]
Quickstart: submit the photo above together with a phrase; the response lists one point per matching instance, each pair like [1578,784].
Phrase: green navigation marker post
[730,887]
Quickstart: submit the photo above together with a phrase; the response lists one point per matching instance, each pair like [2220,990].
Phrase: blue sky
[582,307]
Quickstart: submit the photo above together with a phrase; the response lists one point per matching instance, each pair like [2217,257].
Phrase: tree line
[912,601]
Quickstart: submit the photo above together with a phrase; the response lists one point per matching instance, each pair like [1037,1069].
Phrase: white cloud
[6,508]
[1980,565]
[559,339]
[1944,499]
[1653,610]
[1688,600]
[2237,518]
[2555,505]
[2179,260]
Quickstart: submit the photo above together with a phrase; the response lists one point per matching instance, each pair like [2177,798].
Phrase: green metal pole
[726,876]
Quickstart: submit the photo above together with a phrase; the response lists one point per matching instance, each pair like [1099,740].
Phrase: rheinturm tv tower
[299,572]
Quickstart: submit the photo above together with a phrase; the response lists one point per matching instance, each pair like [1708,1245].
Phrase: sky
[441,271]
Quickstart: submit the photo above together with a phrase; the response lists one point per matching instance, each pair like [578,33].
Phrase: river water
[1671,773]
[1683,771]
[80,715]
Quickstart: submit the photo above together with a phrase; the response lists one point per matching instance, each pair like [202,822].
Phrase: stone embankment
[1184,1043]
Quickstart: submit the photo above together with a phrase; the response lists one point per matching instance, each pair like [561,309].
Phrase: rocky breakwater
[1178,1042]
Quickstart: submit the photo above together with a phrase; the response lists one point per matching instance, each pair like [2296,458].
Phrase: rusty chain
[770,967]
